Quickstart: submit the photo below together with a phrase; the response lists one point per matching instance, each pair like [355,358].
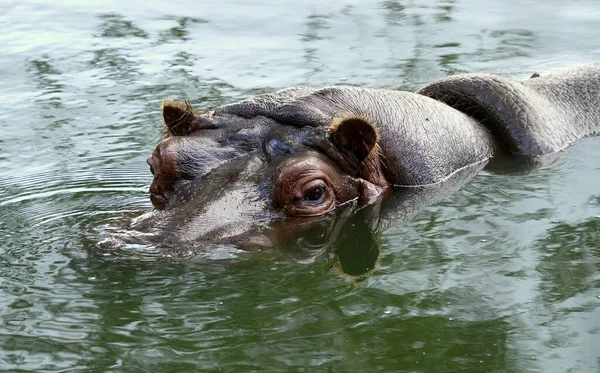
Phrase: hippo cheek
[225,207]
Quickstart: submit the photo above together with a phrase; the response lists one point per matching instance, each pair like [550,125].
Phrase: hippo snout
[163,167]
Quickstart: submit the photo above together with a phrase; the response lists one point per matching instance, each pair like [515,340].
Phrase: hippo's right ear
[356,134]
[179,117]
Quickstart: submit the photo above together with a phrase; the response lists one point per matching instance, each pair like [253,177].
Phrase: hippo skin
[302,164]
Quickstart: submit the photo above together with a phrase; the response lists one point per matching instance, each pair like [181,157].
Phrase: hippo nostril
[150,162]
[159,201]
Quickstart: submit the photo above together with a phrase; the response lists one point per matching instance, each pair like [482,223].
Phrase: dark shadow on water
[116,26]
[47,76]
[115,64]
[348,241]
[569,262]
[445,8]
[180,32]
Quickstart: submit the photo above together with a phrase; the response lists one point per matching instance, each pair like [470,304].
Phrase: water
[504,275]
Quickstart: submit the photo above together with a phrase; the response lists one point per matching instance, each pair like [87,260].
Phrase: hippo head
[236,176]
[298,172]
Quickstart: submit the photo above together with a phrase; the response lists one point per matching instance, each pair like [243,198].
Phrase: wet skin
[254,172]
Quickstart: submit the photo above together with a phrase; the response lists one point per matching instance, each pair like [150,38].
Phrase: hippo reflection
[298,164]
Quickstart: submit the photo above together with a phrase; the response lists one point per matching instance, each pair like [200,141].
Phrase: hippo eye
[303,187]
[314,194]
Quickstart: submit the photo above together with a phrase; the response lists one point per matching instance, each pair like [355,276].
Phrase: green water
[502,276]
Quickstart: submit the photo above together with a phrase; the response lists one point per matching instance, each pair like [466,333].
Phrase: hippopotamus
[300,164]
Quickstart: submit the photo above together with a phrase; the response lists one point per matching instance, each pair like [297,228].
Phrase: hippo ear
[356,134]
[179,117]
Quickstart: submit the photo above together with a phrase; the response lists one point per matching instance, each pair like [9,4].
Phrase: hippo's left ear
[356,134]
[179,117]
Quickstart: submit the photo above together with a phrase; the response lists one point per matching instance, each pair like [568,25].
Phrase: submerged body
[257,172]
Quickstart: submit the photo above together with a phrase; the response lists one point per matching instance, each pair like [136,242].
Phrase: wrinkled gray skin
[220,168]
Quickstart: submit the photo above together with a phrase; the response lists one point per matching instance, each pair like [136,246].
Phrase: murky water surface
[503,275]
